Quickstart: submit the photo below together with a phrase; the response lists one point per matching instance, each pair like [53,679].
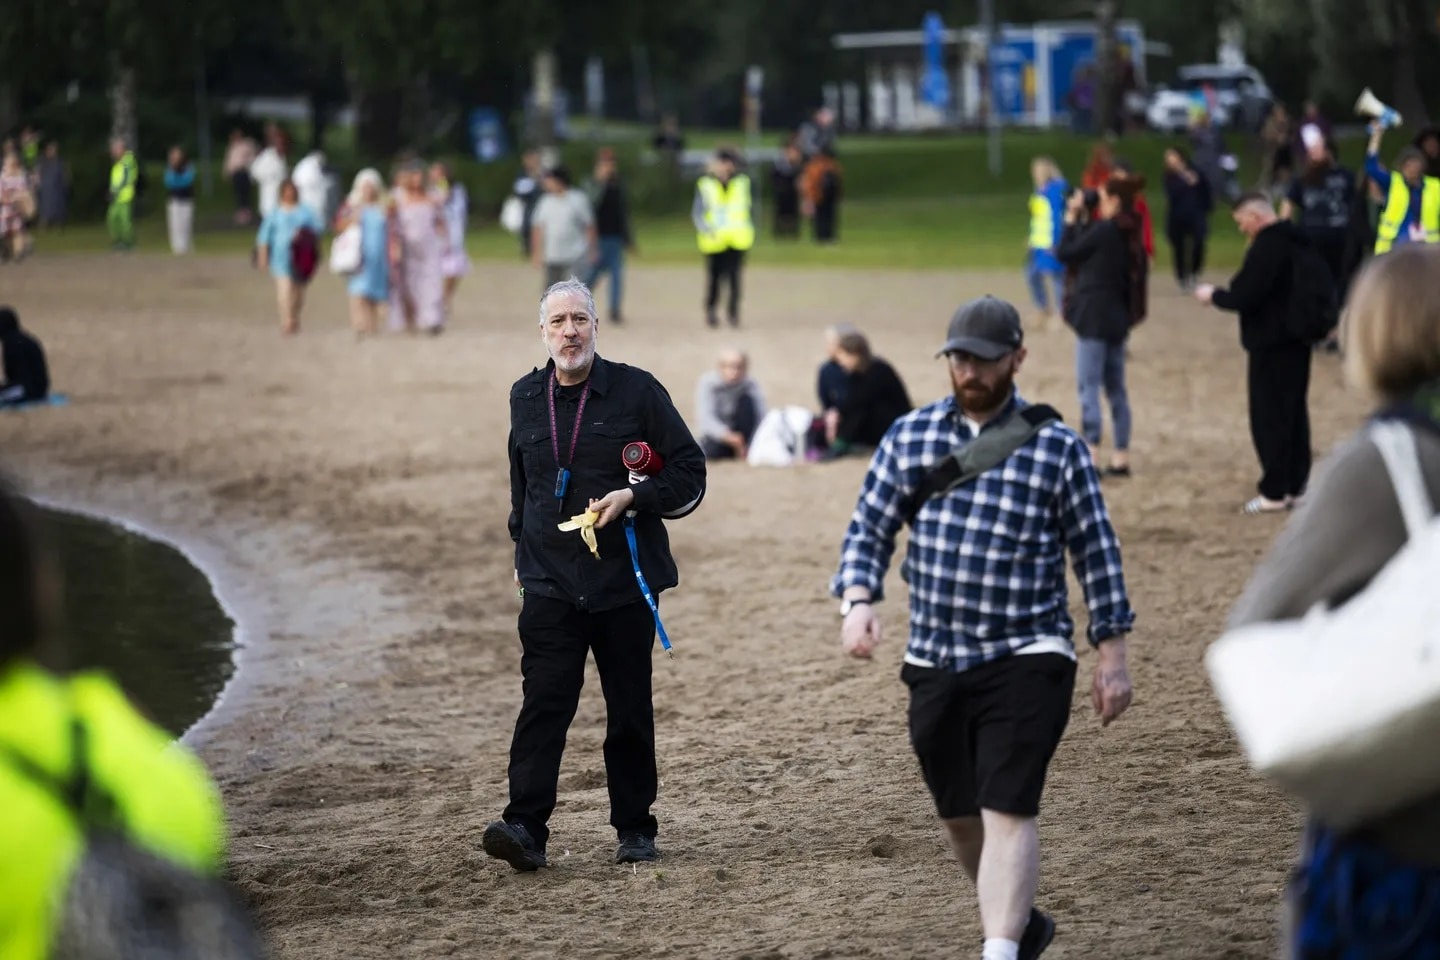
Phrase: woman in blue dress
[275,248]
[369,286]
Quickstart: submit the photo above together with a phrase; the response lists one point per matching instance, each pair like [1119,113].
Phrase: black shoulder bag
[988,450]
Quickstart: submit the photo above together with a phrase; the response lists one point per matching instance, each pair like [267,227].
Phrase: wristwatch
[847,605]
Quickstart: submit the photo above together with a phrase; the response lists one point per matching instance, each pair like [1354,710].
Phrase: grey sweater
[1346,530]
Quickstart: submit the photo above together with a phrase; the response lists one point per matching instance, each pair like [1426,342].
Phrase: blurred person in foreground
[569,423]
[112,840]
[1373,891]
[1103,248]
[26,375]
[991,664]
[728,407]
[1278,373]
[1412,198]
[724,218]
[874,396]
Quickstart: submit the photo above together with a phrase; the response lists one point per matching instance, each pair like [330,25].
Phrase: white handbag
[512,214]
[1341,708]
[345,251]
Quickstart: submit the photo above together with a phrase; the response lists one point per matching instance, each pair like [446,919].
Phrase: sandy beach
[351,501]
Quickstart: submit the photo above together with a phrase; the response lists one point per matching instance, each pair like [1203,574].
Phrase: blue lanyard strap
[645,587]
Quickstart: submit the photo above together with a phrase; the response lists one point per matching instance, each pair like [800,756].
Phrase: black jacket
[1260,292]
[874,398]
[25,364]
[612,211]
[626,404]
[1190,203]
[1097,305]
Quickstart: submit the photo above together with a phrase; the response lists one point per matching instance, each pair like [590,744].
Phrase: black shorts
[985,736]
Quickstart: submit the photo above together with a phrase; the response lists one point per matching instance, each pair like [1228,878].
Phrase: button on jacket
[625,405]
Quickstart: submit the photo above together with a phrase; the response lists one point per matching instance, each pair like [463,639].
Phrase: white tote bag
[345,251]
[1341,708]
[512,214]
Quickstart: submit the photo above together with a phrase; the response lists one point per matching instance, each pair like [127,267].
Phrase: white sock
[997,949]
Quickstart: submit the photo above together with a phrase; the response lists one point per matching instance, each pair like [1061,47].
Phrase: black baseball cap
[988,327]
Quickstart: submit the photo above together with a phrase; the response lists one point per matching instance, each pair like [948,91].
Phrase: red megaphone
[641,460]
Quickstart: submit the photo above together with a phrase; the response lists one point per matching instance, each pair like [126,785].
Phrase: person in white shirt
[271,169]
[728,407]
[313,183]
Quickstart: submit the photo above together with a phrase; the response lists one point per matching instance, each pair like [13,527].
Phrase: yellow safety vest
[166,801]
[727,214]
[1042,223]
[122,178]
[1398,204]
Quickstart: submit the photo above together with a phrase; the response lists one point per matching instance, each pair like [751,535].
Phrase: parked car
[1238,97]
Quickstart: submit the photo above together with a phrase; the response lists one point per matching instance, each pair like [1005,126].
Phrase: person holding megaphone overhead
[1412,199]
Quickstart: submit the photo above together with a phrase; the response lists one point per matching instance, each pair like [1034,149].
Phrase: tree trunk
[123,121]
[1408,98]
[9,106]
[1106,72]
[542,117]
[377,119]
[416,112]
[319,115]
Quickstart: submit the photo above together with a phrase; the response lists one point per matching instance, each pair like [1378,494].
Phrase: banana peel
[585,523]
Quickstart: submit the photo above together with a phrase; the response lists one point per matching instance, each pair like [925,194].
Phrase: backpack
[304,254]
[1314,307]
[123,902]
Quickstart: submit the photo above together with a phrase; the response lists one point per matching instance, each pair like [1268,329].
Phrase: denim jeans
[612,261]
[1099,363]
[1035,276]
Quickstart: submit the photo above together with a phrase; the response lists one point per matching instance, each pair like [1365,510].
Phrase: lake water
[139,609]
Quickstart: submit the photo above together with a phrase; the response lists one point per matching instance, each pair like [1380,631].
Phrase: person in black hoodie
[1103,250]
[1187,221]
[874,397]
[1278,379]
[612,226]
[27,378]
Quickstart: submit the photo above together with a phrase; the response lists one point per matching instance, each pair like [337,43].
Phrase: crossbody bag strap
[988,450]
[1396,443]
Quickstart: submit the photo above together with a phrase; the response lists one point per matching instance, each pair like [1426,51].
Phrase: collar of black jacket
[599,375]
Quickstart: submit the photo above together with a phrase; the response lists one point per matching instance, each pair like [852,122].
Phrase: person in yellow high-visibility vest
[725,228]
[78,762]
[1412,200]
[124,175]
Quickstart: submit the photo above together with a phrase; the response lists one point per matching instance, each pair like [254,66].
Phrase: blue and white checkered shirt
[985,562]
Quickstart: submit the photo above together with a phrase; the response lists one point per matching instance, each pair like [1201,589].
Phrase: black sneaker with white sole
[636,848]
[513,844]
[1039,931]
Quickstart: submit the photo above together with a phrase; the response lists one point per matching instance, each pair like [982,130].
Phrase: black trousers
[1187,246]
[1279,384]
[555,638]
[724,265]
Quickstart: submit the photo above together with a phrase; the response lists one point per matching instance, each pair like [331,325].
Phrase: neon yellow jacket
[722,214]
[166,800]
[124,175]
[1397,205]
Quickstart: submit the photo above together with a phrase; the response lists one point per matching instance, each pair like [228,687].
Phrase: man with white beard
[569,423]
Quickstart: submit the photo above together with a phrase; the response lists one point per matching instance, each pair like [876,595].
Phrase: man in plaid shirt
[990,663]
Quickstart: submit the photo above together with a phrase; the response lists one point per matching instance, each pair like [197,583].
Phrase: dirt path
[353,499]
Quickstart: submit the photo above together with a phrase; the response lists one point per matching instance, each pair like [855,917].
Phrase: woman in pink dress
[417,297]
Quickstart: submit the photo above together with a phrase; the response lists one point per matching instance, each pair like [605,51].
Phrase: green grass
[925,202]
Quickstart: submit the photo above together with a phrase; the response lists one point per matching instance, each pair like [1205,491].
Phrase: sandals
[1261,505]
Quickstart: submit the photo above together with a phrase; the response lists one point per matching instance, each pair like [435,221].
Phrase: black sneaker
[1039,931]
[512,843]
[636,848]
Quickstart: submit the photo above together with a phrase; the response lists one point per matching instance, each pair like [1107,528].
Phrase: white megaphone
[1370,106]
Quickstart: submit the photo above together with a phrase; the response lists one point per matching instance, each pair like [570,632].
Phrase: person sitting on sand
[27,378]
[874,397]
[833,379]
[728,407]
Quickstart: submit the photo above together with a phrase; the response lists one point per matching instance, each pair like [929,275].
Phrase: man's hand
[1110,693]
[860,631]
[1205,293]
[517,577]
[612,506]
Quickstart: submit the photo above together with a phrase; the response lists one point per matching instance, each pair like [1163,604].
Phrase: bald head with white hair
[569,327]
[1253,212]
